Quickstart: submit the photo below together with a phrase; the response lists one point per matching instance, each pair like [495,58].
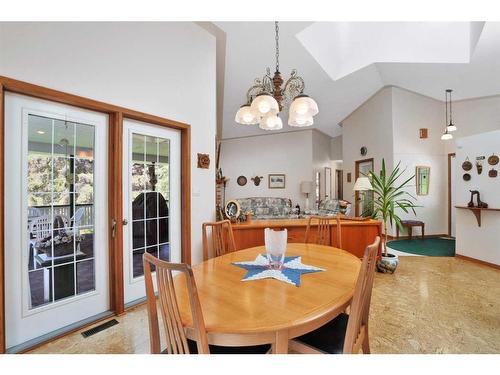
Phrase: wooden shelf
[477,211]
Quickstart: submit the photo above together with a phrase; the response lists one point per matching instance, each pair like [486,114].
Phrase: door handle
[113,228]
[125,222]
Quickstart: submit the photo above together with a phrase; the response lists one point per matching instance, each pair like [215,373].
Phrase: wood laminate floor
[430,305]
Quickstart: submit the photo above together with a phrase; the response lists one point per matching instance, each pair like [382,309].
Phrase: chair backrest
[357,326]
[222,239]
[174,330]
[41,227]
[323,234]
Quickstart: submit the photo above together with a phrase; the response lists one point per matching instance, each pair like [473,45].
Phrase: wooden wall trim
[2,253]
[478,261]
[451,155]
[356,175]
[115,174]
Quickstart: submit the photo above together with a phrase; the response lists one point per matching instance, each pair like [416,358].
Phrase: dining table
[268,311]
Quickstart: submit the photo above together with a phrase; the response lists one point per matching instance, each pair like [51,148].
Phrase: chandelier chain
[277,29]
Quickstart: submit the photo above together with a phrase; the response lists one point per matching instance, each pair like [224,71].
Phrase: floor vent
[99,328]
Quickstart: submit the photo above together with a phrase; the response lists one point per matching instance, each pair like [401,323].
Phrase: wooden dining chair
[323,230]
[346,333]
[175,334]
[222,239]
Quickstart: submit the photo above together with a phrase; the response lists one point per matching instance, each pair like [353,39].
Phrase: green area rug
[434,246]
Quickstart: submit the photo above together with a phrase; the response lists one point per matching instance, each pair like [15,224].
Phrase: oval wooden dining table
[240,313]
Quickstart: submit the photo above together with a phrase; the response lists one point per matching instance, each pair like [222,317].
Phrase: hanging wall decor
[479,167]
[203,161]
[493,173]
[466,177]
[493,160]
[256,180]
[467,165]
[242,180]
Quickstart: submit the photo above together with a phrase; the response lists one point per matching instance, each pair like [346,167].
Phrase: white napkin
[275,241]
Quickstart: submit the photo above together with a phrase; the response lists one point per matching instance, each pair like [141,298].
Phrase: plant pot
[387,264]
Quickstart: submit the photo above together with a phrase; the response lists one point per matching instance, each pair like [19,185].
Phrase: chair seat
[328,338]
[216,349]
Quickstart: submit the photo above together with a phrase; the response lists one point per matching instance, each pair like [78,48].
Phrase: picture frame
[276,181]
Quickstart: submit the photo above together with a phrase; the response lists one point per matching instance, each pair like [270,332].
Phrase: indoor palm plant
[389,197]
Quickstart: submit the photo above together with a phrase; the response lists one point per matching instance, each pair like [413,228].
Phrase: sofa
[263,208]
[332,207]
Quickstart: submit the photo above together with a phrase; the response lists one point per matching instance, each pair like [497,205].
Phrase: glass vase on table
[275,241]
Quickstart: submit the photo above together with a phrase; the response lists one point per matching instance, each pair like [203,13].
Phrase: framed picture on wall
[276,181]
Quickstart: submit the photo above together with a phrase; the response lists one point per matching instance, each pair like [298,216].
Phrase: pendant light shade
[451,127]
[303,105]
[245,116]
[300,121]
[264,104]
[271,122]
[446,136]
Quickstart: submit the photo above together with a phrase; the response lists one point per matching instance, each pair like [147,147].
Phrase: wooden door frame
[115,174]
[450,155]
[356,175]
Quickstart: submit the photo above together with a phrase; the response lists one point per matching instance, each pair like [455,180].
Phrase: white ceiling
[343,64]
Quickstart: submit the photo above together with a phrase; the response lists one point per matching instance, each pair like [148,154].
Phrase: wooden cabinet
[356,235]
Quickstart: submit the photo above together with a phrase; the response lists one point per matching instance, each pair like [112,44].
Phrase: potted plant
[389,196]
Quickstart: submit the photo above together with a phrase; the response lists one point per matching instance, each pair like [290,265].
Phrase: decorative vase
[275,242]
[388,264]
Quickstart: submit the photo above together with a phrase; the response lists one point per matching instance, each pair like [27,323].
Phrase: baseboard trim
[416,236]
[478,261]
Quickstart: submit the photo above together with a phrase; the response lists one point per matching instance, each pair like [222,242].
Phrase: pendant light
[271,122]
[451,126]
[446,135]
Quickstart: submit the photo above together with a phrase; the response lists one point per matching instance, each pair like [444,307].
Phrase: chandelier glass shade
[269,96]
[271,122]
[245,116]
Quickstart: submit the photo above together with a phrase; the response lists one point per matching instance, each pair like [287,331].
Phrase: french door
[151,200]
[56,246]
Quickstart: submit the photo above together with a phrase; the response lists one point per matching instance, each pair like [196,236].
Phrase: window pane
[163,180]
[63,176]
[39,173]
[84,176]
[40,287]
[64,281]
[39,135]
[151,149]
[64,138]
[84,243]
[165,252]
[137,234]
[163,230]
[151,205]
[85,278]
[138,177]
[84,141]
[138,148]
[137,267]
[151,232]
[138,207]
[63,243]
[164,151]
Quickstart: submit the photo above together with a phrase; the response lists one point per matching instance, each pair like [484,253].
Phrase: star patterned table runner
[290,273]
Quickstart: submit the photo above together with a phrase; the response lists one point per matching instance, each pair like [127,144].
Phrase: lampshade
[306,187]
[271,122]
[245,116]
[451,127]
[303,105]
[363,183]
[299,120]
[264,104]
[446,136]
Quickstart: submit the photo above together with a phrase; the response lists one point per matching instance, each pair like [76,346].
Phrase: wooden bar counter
[356,235]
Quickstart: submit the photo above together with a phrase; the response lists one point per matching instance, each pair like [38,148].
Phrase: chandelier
[450,126]
[267,97]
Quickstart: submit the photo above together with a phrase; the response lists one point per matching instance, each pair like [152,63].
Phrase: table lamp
[306,188]
[362,184]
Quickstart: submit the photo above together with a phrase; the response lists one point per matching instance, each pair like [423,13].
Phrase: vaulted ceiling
[345,63]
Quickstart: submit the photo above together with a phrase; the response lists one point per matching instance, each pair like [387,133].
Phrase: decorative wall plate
[493,160]
[242,180]
[467,165]
[493,172]
[232,210]
[466,177]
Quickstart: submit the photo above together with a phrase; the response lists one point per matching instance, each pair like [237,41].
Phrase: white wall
[478,242]
[411,112]
[289,153]
[371,126]
[164,68]
[336,148]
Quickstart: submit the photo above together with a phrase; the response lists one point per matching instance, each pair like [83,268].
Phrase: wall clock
[363,151]
[232,210]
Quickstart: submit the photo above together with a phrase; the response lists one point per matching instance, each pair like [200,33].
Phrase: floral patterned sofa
[334,206]
[266,207]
